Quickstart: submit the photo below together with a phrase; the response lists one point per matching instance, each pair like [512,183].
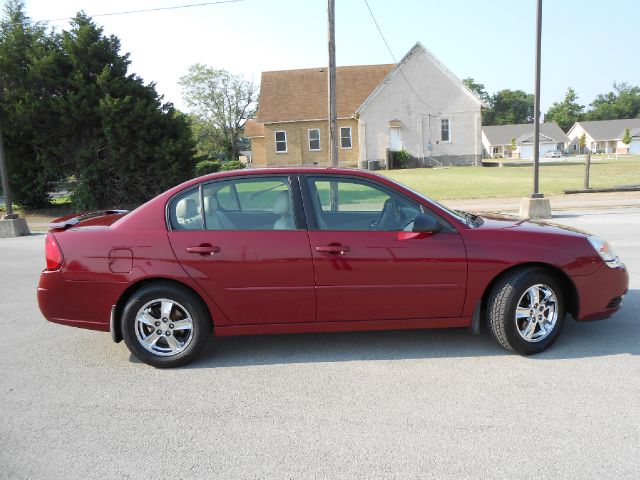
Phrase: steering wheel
[389,217]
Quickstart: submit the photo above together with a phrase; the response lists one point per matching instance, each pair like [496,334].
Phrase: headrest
[211,204]
[186,208]
[282,205]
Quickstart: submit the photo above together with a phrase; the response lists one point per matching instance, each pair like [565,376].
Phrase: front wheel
[165,325]
[526,311]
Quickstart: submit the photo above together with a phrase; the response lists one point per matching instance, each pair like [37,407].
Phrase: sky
[586,44]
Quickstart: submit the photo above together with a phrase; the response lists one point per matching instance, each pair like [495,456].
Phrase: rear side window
[185,211]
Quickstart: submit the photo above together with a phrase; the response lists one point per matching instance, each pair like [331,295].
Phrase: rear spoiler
[71,220]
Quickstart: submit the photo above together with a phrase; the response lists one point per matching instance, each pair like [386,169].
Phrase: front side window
[352,204]
[314,139]
[345,137]
[445,127]
[281,141]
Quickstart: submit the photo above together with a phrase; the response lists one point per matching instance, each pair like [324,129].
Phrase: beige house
[517,140]
[604,136]
[417,105]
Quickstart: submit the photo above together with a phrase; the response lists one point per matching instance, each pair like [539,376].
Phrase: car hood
[501,222]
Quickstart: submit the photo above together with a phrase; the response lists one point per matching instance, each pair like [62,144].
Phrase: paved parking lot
[413,404]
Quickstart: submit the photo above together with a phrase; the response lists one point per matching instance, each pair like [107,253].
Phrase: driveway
[413,404]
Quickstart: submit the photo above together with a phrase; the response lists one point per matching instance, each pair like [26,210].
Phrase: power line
[157,9]
[394,58]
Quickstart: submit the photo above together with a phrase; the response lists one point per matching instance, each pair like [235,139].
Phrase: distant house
[604,136]
[417,105]
[634,146]
[516,140]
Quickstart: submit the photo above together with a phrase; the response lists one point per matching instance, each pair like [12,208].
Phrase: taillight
[53,253]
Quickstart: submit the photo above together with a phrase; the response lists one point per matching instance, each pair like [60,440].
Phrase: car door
[244,241]
[366,266]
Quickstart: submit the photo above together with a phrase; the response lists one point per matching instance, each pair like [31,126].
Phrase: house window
[345,137]
[314,139]
[281,141]
[445,130]
[575,147]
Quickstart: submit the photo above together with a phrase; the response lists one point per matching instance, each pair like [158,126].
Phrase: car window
[249,204]
[185,211]
[352,204]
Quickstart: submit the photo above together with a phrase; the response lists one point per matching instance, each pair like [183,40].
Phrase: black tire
[184,299]
[503,302]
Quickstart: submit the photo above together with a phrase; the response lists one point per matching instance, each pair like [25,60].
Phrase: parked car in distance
[296,250]
[553,154]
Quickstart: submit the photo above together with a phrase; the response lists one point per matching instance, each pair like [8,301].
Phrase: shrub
[232,165]
[207,166]
[400,159]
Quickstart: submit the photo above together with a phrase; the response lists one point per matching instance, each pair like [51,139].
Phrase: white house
[604,136]
[634,146]
[423,108]
[417,105]
[516,140]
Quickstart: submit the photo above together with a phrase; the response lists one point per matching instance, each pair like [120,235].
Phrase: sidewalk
[579,201]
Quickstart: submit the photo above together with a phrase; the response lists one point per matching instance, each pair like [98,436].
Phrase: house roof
[608,129]
[419,48]
[634,132]
[523,132]
[253,129]
[292,95]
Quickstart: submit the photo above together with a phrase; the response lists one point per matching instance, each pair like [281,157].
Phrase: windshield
[468,219]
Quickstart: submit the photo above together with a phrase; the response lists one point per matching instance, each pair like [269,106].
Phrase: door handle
[333,249]
[203,249]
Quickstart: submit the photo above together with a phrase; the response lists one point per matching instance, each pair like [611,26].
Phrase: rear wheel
[526,311]
[165,325]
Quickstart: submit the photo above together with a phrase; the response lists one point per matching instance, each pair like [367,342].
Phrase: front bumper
[601,292]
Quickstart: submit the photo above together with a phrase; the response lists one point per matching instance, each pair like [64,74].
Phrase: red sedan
[316,250]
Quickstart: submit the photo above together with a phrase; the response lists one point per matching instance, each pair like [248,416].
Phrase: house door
[395,139]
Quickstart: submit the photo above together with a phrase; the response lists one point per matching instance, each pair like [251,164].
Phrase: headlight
[605,251]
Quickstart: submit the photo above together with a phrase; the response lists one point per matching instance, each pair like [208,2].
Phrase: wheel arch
[118,308]
[569,291]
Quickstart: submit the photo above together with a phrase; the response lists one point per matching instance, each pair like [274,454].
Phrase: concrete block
[535,208]
[13,227]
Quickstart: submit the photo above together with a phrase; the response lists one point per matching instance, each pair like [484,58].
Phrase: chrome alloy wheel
[164,327]
[536,313]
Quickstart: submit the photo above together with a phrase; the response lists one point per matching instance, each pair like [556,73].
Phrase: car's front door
[367,267]
[250,250]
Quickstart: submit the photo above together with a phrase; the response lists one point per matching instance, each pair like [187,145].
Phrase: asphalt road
[415,404]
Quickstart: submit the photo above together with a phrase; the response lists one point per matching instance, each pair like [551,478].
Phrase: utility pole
[536,113]
[536,206]
[5,181]
[333,120]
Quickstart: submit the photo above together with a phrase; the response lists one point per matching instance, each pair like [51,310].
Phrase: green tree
[567,112]
[31,79]
[222,103]
[509,106]
[127,146]
[582,142]
[622,102]
[478,89]
[626,139]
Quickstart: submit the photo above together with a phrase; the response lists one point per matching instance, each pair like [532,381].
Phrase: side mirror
[425,223]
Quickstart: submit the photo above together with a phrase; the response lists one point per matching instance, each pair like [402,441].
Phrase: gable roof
[291,95]
[608,129]
[634,132]
[523,132]
[419,48]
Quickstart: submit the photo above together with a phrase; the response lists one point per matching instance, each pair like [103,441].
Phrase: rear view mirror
[426,223]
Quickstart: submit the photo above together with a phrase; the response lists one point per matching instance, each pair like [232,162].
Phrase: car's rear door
[366,266]
[250,249]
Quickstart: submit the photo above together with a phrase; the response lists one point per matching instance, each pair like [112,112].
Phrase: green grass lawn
[493,182]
